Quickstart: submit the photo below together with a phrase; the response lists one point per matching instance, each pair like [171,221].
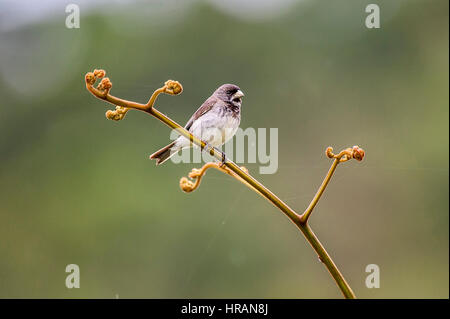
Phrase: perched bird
[215,122]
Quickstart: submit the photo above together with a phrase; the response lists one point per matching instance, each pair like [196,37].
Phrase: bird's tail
[164,154]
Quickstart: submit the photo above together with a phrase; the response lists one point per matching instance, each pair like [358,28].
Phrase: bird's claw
[222,162]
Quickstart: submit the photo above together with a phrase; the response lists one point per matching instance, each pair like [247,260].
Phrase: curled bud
[116,115]
[186,185]
[173,87]
[99,73]
[111,115]
[90,78]
[357,153]
[346,154]
[105,84]
[329,152]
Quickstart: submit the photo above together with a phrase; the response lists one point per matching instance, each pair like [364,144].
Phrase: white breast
[215,127]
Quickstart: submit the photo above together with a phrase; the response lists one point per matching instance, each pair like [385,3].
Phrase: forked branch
[228,167]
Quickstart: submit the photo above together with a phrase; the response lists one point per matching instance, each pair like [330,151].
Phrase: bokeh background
[77,188]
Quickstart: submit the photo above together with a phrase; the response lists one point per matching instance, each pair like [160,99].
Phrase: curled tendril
[173,87]
[105,84]
[195,175]
[91,77]
[358,153]
[187,186]
[104,87]
[355,152]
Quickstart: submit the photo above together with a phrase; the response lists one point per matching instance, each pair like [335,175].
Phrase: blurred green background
[77,188]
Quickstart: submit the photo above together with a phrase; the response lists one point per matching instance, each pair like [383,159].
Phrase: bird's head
[231,94]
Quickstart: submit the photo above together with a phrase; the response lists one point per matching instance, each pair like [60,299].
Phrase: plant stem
[304,217]
[326,259]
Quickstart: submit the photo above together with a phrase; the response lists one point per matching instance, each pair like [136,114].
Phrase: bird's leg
[207,148]
[224,159]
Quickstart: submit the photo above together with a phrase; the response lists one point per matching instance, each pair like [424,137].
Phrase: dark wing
[205,107]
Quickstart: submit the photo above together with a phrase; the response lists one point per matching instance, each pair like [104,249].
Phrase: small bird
[215,122]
